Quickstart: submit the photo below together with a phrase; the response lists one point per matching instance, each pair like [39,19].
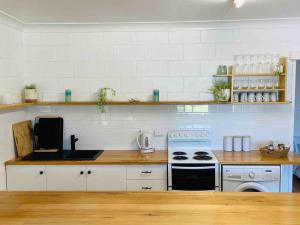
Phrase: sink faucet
[73,141]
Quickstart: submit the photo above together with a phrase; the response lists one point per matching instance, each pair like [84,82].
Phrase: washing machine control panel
[252,173]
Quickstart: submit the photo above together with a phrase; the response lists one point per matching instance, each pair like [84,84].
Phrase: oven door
[193,177]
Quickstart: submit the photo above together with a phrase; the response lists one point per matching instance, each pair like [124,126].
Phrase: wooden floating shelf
[133,103]
[222,75]
[15,106]
[258,75]
[261,103]
[257,90]
[120,103]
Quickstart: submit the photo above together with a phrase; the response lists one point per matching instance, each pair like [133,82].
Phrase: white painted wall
[179,59]
[11,57]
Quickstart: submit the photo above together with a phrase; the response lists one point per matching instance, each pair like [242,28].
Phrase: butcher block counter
[159,208]
[107,157]
[161,157]
[254,157]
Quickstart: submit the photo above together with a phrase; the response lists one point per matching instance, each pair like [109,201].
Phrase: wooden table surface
[161,157]
[168,208]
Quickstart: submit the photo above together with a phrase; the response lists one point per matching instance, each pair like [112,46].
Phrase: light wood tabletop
[168,208]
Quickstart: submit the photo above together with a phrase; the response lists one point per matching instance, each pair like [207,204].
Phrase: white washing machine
[251,178]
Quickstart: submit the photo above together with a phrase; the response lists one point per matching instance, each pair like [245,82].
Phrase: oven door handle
[193,168]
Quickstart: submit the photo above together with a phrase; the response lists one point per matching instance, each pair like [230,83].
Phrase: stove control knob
[251,174]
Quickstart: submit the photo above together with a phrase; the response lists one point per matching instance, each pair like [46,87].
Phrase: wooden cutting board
[23,136]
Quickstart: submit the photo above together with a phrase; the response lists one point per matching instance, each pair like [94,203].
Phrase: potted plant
[30,93]
[221,91]
[104,95]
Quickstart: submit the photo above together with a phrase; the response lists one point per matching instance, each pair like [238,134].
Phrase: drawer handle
[146,188]
[146,172]
[81,172]
[41,172]
[89,172]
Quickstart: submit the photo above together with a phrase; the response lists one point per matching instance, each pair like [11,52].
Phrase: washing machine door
[251,187]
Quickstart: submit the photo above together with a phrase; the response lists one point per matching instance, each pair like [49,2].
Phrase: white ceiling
[101,11]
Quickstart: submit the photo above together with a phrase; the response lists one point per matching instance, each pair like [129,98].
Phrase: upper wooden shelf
[14,106]
[83,103]
[133,103]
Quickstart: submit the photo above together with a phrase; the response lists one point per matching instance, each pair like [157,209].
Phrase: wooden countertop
[107,157]
[159,208]
[254,157]
[161,157]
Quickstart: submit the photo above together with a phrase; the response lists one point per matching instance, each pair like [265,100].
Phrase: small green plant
[102,98]
[218,90]
[30,86]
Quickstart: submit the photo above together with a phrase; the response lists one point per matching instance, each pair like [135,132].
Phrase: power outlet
[159,133]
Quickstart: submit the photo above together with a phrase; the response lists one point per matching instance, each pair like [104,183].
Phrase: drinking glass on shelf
[253,84]
[267,63]
[245,84]
[275,84]
[269,84]
[236,84]
[261,61]
[261,84]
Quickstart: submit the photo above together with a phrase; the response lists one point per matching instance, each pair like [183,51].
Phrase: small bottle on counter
[156,95]
[68,95]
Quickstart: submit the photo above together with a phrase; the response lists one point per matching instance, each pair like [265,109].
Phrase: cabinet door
[26,178]
[66,178]
[106,178]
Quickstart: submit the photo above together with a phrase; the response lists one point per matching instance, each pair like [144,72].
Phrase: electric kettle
[145,142]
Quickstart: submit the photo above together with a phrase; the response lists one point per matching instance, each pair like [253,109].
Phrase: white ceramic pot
[225,95]
[30,95]
[109,95]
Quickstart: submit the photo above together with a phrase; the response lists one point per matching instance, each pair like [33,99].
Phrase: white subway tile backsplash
[167,52]
[199,51]
[178,62]
[134,53]
[55,39]
[118,69]
[215,36]
[136,84]
[119,38]
[168,84]
[148,37]
[187,68]
[152,68]
[39,53]
[197,84]
[105,53]
[185,37]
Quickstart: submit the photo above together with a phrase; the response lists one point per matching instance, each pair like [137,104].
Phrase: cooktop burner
[180,158]
[202,157]
[201,153]
[179,153]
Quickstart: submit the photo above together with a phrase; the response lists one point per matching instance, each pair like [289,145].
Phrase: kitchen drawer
[155,172]
[146,185]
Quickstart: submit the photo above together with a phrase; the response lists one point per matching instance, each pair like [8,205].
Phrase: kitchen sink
[83,154]
[64,155]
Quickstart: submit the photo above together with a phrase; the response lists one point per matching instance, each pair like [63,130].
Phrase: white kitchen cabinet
[66,178]
[106,178]
[146,185]
[147,172]
[26,178]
